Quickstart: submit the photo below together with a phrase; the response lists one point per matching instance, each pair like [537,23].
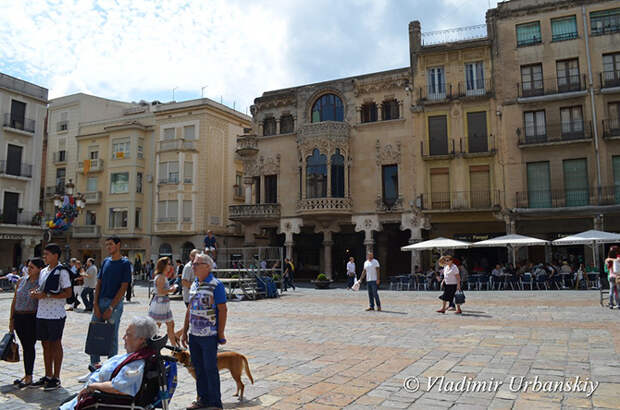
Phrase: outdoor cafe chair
[526,279]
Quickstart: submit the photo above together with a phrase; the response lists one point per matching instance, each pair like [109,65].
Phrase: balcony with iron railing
[253,212]
[453,35]
[15,169]
[168,180]
[52,190]
[466,147]
[558,133]
[15,217]
[561,198]
[611,128]
[18,123]
[178,144]
[553,88]
[609,79]
[93,165]
[324,206]
[86,231]
[460,200]
[92,197]
[62,126]
[443,92]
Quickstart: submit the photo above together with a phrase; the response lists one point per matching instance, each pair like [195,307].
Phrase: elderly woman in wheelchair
[121,374]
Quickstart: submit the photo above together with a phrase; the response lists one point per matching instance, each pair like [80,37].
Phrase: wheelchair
[158,384]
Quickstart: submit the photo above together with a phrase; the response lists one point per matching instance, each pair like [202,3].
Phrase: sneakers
[369,309]
[39,383]
[52,384]
[378,308]
[84,378]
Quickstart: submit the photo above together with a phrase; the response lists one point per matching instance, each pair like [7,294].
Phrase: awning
[511,240]
[588,238]
[437,243]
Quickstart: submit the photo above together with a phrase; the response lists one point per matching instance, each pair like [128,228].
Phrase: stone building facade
[22,111]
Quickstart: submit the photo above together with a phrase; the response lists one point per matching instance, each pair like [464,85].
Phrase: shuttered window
[438,135]
[538,185]
[477,131]
[440,188]
[480,186]
[616,165]
[528,34]
[576,182]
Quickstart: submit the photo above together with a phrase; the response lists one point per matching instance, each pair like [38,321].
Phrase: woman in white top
[613,265]
[451,282]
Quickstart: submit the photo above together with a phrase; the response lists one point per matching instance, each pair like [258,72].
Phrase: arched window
[390,110]
[328,108]
[337,175]
[316,175]
[165,250]
[269,126]
[286,124]
[369,112]
[187,248]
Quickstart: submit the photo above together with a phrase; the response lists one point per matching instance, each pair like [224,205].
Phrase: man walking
[371,272]
[187,277]
[206,321]
[112,283]
[350,272]
[54,289]
[90,282]
[288,275]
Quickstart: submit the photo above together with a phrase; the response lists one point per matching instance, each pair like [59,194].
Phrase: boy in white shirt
[371,273]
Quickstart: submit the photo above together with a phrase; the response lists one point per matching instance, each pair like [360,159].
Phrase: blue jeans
[88,294]
[203,350]
[613,292]
[373,293]
[115,319]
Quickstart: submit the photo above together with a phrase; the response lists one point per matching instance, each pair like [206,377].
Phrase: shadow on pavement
[393,312]
[46,400]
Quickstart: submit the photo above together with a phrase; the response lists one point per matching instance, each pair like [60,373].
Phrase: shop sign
[10,236]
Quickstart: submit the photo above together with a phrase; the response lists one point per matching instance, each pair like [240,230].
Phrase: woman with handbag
[23,318]
[451,283]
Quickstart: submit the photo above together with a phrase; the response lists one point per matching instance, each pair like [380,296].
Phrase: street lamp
[66,209]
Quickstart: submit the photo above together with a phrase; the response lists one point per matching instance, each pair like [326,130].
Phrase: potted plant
[322,282]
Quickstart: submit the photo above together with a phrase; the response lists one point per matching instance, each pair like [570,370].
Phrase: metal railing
[455,34]
[258,211]
[16,169]
[167,219]
[461,200]
[55,190]
[176,144]
[96,165]
[14,217]
[560,198]
[476,88]
[564,131]
[18,123]
[86,231]
[166,181]
[435,92]
[92,197]
[611,128]
[62,126]
[609,79]
[551,86]
[460,146]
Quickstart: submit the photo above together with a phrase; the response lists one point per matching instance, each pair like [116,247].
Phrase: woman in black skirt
[451,283]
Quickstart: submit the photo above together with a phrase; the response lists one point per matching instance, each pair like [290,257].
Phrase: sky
[227,50]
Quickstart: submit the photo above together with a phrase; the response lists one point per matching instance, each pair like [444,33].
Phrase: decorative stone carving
[366,223]
[326,136]
[370,86]
[270,165]
[388,154]
[274,101]
[396,207]
[289,226]
[257,211]
[324,206]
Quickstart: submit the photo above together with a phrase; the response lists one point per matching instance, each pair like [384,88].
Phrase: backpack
[52,283]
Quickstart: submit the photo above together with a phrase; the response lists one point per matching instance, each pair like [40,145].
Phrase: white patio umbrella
[513,241]
[590,237]
[437,243]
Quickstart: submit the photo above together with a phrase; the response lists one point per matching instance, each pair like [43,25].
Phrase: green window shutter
[564,28]
[528,33]
[538,185]
[616,166]
[576,182]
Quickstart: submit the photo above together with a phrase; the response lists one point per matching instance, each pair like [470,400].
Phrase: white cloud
[133,49]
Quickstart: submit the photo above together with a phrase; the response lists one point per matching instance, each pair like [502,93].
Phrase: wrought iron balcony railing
[18,123]
[560,198]
[551,86]
[15,169]
[610,79]
[459,146]
[452,35]
[14,217]
[460,200]
[611,128]
[324,206]
[564,131]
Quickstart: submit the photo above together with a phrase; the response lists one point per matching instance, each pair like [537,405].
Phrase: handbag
[98,340]
[459,297]
[9,350]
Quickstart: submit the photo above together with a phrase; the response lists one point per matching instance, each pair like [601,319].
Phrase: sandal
[196,405]
[441,311]
[458,312]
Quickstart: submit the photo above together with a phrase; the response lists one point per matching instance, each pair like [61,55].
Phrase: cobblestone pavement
[319,349]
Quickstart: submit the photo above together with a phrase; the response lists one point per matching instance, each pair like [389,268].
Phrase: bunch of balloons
[64,216]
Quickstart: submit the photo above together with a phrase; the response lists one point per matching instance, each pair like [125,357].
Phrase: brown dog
[235,362]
